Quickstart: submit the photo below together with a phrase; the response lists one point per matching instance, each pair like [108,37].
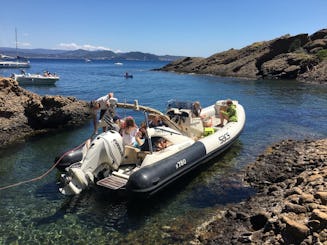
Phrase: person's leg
[102,112]
[222,116]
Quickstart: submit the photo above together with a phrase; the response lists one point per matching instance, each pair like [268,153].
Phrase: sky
[167,27]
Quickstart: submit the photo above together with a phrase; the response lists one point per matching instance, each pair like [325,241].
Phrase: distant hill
[85,54]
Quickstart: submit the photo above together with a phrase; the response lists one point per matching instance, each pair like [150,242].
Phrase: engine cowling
[106,152]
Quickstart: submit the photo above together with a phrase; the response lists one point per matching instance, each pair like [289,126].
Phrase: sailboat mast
[16,42]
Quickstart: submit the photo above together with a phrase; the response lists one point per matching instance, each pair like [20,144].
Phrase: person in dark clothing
[156,122]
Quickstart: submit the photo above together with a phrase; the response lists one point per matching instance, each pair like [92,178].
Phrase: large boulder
[23,113]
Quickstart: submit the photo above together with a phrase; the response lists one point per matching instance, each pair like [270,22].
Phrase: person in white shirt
[129,132]
[102,104]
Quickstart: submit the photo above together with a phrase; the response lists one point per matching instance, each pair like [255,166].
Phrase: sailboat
[14,62]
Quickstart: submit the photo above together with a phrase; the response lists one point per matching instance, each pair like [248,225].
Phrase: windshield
[179,104]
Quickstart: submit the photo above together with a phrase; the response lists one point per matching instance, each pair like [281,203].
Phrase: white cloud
[74,46]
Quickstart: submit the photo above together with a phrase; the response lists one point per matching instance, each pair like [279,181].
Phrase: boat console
[182,113]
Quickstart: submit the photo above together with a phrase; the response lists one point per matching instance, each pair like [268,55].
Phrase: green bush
[322,54]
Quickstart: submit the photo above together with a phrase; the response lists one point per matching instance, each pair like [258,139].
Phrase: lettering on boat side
[181,163]
[223,138]
[118,147]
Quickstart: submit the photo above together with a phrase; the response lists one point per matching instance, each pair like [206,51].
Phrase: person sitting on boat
[117,125]
[161,144]
[157,144]
[156,122]
[129,132]
[46,74]
[228,113]
[196,109]
[140,135]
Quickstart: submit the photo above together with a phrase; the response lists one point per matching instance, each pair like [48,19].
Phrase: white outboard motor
[104,155]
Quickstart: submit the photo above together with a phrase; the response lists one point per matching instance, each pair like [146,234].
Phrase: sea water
[36,213]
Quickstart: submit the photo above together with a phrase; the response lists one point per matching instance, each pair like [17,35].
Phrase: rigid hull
[36,79]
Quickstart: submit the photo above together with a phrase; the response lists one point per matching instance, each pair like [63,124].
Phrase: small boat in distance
[127,75]
[46,78]
[118,64]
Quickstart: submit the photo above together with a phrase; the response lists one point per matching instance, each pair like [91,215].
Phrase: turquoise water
[36,213]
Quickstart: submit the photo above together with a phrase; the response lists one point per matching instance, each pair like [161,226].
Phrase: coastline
[25,114]
[290,206]
[301,57]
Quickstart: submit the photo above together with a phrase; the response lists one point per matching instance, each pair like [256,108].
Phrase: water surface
[36,213]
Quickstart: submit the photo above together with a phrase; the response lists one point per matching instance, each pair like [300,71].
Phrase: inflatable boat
[193,138]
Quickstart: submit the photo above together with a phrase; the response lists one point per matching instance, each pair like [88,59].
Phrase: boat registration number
[181,163]
[223,138]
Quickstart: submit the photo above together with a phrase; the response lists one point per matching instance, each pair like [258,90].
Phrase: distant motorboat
[118,63]
[87,60]
[36,79]
[128,75]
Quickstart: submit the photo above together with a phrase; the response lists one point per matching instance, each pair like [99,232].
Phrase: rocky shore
[290,206]
[302,57]
[23,113]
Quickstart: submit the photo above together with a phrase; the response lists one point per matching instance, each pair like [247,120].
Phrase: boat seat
[142,154]
[215,121]
[131,155]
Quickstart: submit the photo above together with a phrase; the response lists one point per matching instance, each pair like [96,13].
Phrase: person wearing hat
[229,113]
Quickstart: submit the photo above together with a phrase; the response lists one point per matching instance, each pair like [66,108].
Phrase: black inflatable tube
[147,181]
[69,159]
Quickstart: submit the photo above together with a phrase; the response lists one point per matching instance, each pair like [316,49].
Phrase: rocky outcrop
[23,113]
[300,57]
[290,206]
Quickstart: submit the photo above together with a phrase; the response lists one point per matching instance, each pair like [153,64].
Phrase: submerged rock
[23,113]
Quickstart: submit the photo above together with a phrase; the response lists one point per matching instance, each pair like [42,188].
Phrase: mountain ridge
[85,54]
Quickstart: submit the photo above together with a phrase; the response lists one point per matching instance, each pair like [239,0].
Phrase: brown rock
[23,113]
[306,198]
[295,208]
[319,215]
[296,216]
[314,177]
[322,195]
[295,229]
[286,57]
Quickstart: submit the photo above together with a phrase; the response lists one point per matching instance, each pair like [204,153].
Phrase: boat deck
[113,182]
